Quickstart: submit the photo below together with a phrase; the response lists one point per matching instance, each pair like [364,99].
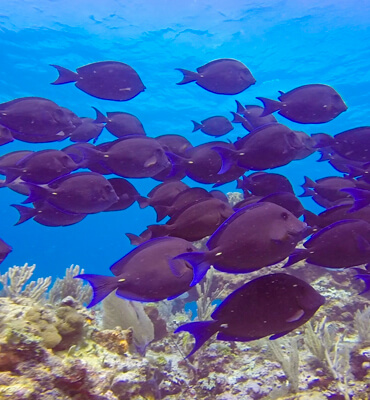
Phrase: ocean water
[285,44]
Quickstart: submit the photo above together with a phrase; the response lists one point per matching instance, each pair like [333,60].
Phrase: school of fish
[261,230]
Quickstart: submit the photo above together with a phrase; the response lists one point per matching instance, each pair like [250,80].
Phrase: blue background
[284,43]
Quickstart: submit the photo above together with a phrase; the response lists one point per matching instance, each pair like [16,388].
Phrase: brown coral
[116,341]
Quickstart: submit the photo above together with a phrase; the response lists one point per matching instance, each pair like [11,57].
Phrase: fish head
[285,227]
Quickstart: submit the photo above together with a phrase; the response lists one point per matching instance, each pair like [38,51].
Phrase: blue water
[284,43]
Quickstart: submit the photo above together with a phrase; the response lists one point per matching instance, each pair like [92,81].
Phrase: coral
[118,312]
[362,323]
[70,287]
[16,277]
[116,341]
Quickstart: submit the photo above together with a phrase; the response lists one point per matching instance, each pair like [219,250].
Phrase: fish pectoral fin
[362,244]
[296,316]
[278,335]
[150,162]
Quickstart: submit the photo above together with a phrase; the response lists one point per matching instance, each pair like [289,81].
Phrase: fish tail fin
[135,240]
[162,212]
[308,183]
[297,255]
[228,157]
[366,279]
[311,219]
[100,117]
[270,106]
[324,155]
[197,126]
[159,230]
[362,198]
[25,213]
[36,193]
[65,75]
[307,193]
[178,163]
[199,262]
[189,76]
[322,140]
[239,107]
[142,201]
[202,331]
[101,285]
[239,119]
[354,171]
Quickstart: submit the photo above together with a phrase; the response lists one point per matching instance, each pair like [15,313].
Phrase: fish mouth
[302,234]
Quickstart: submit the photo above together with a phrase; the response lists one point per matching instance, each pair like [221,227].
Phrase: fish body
[214,126]
[250,117]
[145,274]
[37,120]
[271,305]
[221,76]
[308,104]
[264,183]
[89,129]
[108,80]
[254,237]
[79,193]
[342,244]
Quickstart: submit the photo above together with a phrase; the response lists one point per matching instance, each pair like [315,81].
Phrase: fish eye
[108,188]
[284,216]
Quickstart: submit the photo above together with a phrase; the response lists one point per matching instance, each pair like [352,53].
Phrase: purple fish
[250,117]
[267,147]
[108,80]
[222,76]
[361,198]
[334,214]
[145,274]
[5,249]
[202,164]
[264,183]
[236,248]
[353,144]
[196,221]
[308,104]
[40,167]
[129,157]
[342,244]
[329,188]
[46,214]
[79,193]
[271,305]
[37,120]
[307,145]
[286,200]
[120,124]
[89,129]
[214,126]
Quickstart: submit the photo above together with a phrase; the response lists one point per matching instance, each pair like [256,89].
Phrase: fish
[9,160]
[236,248]
[202,164]
[107,80]
[221,76]
[342,244]
[145,273]
[334,214]
[361,198]
[120,124]
[5,249]
[307,145]
[353,144]
[87,130]
[46,214]
[270,305]
[164,194]
[307,104]
[264,183]
[196,221]
[269,146]
[250,117]
[286,200]
[37,120]
[79,193]
[214,126]
[40,167]
[329,187]
[128,157]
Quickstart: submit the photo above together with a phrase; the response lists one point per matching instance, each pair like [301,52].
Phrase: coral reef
[52,347]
